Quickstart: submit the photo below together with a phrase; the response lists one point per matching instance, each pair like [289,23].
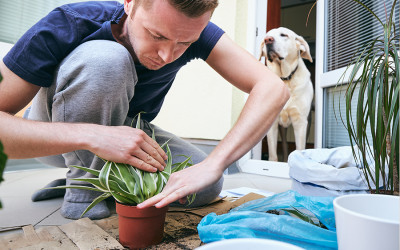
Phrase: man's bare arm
[27,139]
[267,96]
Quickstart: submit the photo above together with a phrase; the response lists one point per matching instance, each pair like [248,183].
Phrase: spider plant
[374,74]
[3,160]
[128,184]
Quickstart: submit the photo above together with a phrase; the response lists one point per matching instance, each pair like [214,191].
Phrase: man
[93,66]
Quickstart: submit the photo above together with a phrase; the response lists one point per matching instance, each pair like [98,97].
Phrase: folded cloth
[332,169]
[309,189]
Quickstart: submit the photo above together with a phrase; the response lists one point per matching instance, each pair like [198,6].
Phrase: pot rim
[337,205]
[126,205]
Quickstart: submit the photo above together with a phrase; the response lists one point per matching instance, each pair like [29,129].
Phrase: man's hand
[127,145]
[183,183]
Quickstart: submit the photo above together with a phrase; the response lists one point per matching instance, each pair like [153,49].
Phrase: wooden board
[46,238]
[87,235]
[180,231]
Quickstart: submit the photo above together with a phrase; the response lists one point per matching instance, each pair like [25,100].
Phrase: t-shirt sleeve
[209,37]
[38,52]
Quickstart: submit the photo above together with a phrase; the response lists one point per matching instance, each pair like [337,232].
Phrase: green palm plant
[127,184]
[3,160]
[3,156]
[374,73]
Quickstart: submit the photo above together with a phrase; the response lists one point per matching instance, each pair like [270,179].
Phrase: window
[343,28]
[17,16]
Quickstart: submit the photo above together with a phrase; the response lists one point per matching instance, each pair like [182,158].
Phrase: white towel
[333,169]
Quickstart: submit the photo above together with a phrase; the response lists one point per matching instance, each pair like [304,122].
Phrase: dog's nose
[269,40]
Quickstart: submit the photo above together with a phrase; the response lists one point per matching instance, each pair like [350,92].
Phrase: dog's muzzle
[271,53]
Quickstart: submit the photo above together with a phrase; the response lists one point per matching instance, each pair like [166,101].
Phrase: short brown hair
[191,8]
[194,8]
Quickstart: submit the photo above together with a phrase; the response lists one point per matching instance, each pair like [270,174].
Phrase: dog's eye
[284,35]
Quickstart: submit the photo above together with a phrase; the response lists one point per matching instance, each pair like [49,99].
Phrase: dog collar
[291,74]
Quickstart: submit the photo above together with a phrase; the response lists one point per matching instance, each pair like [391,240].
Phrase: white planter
[367,221]
[251,244]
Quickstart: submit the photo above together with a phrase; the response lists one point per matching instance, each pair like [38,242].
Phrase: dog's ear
[304,48]
[262,52]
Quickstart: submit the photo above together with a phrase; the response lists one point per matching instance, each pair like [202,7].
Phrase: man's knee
[105,64]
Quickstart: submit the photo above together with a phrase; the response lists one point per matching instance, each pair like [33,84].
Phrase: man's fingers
[151,201]
[152,156]
[158,150]
[148,159]
[141,164]
[163,199]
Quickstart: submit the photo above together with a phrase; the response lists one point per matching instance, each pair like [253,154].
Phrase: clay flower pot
[140,228]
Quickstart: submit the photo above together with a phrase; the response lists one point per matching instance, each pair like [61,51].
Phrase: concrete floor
[23,178]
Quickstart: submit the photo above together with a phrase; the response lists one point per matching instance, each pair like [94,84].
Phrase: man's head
[160,31]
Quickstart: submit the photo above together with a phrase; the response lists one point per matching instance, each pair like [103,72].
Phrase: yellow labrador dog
[283,51]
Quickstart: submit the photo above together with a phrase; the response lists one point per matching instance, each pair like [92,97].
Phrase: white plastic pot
[251,243]
[367,221]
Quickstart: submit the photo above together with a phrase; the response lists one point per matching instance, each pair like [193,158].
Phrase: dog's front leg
[300,133]
[272,138]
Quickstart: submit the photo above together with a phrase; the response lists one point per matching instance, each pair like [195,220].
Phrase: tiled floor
[18,209]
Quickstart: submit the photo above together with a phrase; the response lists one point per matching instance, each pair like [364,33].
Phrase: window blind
[17,16]
[335,111]
[349,26]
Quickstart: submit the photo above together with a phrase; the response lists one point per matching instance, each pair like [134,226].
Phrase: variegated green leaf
[89,170]
[116,188]
[139,192]
[165,143]
[138,120]
[138,175]
[182,165]
[126,176]
[96,172]
[160,182]
[168,167]
[150,182]
[191,198]
[75,187]
[96,201]
[105,173]
[94,181]
[122,199]
[115,171]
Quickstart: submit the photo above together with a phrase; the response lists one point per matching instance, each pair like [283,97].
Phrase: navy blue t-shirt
[41,49]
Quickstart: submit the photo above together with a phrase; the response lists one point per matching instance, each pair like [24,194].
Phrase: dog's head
[282,44]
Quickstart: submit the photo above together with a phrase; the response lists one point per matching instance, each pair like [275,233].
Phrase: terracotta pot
[140,228]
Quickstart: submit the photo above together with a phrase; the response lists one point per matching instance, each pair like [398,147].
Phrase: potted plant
[372,220]
[138,228]
[3,160]
[375,72]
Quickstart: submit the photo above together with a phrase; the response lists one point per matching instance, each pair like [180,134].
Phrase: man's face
[160,34]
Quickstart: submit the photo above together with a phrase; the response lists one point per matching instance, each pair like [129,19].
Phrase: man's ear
[304,48]
[128,4]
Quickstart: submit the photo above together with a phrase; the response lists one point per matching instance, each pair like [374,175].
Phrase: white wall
[201,104]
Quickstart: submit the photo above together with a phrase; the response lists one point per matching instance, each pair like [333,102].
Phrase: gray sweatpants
[94,84]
